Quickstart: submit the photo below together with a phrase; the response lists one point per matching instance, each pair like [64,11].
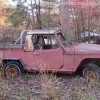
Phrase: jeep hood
[84,48]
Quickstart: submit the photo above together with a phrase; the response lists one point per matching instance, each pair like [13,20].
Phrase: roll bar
[21,37]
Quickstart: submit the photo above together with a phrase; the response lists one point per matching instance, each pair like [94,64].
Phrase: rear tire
[13,69]
[91,72]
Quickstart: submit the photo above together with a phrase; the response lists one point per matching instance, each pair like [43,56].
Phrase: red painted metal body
[60,59]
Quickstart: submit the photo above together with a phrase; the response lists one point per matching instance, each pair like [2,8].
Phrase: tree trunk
[89,23]
[32,10]
[39,16]
[64,14]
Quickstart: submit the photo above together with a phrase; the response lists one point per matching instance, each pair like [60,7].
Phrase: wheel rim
[12,71]
[90,74]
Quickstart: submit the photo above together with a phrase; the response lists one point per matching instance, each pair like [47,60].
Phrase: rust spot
[90,74]
[1,54]
[28,44]
[0,60]
[12,72]
[26,47]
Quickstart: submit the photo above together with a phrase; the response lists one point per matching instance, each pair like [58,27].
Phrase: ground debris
[30,87]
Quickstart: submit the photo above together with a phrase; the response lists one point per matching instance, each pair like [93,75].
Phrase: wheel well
[89,60]
[5,61]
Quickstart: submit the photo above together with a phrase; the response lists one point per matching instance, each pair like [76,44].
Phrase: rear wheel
[13,69]
[91,72]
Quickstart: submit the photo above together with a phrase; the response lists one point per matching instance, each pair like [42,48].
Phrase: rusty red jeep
[48,50]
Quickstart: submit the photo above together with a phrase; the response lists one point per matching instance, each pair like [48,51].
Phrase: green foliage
[1,37]
[23,14]
[22,94]
[15,37]
[30,14]
[46,18]
[18,15]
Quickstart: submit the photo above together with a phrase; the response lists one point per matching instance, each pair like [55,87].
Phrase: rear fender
[5,60]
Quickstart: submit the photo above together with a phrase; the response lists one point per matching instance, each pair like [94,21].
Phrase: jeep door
[47,53]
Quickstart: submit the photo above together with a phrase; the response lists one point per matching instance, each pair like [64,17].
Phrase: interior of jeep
[44,42]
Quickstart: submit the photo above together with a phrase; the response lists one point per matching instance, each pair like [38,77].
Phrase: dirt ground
[37,86]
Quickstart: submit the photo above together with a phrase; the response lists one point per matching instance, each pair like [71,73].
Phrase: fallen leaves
[38,87]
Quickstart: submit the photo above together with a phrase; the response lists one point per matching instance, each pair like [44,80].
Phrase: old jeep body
[48,50]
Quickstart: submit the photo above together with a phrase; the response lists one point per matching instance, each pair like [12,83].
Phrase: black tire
[13,69]
[91,72]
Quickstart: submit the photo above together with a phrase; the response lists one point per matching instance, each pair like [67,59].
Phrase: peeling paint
[84,51]
[1,54]
[28,43]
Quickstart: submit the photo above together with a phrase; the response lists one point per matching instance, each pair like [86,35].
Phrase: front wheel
[13,69]
[91,72]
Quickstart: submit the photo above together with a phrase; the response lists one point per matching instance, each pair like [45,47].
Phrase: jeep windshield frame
[61,37]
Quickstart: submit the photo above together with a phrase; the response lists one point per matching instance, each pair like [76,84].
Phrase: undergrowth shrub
[51,87]
[3,86]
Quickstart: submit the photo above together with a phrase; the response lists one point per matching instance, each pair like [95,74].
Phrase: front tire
[13,69]
[91,72]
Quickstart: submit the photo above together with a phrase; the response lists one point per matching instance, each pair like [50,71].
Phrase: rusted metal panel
[0,61]
[41,32]
[10,46]
[1,56]
[28,43]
